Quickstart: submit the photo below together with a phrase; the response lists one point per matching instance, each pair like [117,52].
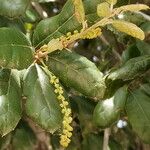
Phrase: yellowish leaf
[79,11]
[103,10]
[133,7]
[111,1]
[54,44]
[129,28]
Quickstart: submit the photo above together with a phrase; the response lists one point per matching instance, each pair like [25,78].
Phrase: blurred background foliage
[108,52]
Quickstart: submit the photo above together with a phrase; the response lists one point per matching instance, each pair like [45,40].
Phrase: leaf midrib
[55,30]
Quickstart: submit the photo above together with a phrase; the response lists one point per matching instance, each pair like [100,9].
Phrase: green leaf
[13,8]
[4,78]
[95,142]
[146,26]
[77,72]
[23,139]
[85,108]
[144,46]
[5,141]
[31,15]
[131,52]
[15,49]
[15,23]
[42,105]
[92,141]
[131,68]
[64,22]
[10,101]
[146,88]
[112,87]
[107,112]
[137,108]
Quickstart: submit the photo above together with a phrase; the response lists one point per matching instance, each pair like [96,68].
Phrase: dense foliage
[74,74]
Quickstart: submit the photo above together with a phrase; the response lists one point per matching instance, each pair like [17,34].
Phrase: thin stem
[113,50]
[42,62]
[101,23]
[106,138]
[75,37]
[145,16]
[39,9]
[111,7]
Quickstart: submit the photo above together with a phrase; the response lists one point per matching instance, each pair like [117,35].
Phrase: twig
[40,10]
[104,40]
[117,55]
[42,137]
[106,138]
[113,50]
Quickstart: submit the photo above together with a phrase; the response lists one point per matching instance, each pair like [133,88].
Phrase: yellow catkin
[93,33]
[66,111]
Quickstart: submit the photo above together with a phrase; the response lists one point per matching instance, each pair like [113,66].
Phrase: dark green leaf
[120,98]
[114,145]
[15,49]
[5,142]
[131,68]
[85,109]
[146,26]
[112,87]
[4,78]
[23,139]
[95,142]
[107,112]
[10,102]
[15,23]
[13,8]
[131,52]
[77,72]
[92,141]
[143,47]
[42,105]
[66,21]
[137,108]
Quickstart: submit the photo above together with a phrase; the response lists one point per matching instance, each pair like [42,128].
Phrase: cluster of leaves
[98,97]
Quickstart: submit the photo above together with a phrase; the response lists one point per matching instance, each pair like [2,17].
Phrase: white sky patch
[55,10]
[45,14]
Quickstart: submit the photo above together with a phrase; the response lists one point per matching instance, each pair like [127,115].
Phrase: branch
[42,137]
